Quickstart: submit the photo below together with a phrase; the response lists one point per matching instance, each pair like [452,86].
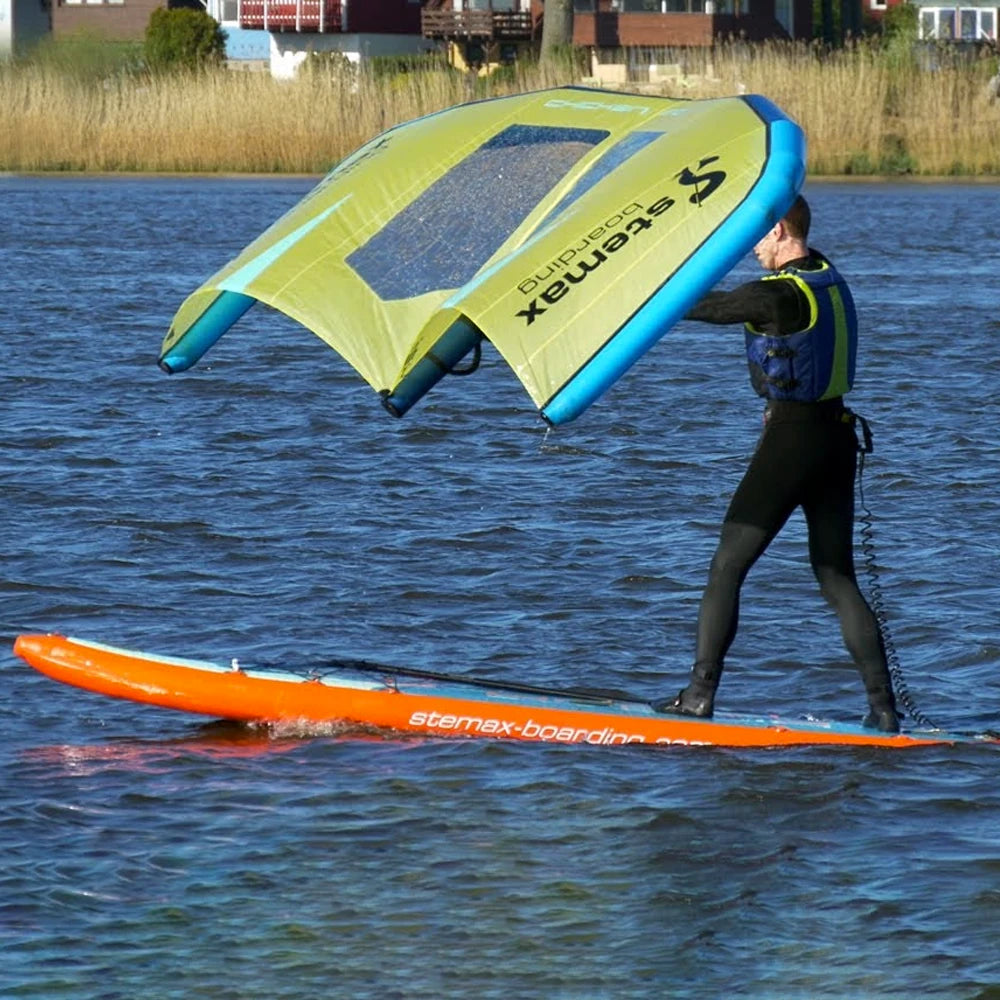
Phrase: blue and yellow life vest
[817,362]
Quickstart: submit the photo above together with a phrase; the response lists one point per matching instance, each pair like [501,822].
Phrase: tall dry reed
[863,111]
[867,109]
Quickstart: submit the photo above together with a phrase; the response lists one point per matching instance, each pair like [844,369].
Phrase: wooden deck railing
[499,25]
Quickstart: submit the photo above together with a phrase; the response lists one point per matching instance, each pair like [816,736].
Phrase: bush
[183,39]
[900,21]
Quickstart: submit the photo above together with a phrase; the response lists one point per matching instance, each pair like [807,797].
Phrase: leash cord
[866,533]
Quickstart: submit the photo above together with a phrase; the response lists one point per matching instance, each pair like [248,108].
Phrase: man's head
[787,239]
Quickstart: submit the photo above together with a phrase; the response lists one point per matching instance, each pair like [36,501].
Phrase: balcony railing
[290,15]
[497,25]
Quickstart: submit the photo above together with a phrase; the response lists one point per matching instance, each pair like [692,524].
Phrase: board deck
[389,699]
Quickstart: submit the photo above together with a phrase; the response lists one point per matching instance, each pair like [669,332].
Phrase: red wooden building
[598,23]
[122,20]
[285,31]
[614,24]
[394,17]
[127,19]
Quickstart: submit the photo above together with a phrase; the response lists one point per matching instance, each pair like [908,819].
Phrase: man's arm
[776,307]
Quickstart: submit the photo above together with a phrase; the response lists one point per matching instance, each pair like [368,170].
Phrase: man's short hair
[798,218]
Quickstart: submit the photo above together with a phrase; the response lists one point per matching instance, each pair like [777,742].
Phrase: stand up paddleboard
[391,699]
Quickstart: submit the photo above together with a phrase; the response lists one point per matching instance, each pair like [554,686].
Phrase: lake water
[264,506]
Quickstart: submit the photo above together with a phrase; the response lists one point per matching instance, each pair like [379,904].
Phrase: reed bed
[864,111]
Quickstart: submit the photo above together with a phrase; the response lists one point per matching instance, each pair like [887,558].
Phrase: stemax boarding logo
[586,256]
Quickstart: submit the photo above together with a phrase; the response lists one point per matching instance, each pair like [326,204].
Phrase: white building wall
[6,28]
[290,49]
[22,22]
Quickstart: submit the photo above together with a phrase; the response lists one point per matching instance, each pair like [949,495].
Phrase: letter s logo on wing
[704,183]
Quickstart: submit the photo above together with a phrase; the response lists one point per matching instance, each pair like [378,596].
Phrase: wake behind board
[392,700]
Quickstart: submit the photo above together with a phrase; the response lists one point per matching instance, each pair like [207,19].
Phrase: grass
[865,109]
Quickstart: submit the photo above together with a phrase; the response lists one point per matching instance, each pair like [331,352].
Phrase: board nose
[28,646]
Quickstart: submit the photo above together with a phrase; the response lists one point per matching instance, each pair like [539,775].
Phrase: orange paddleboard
[390,699]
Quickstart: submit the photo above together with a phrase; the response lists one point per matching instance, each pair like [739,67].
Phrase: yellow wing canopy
[569,227]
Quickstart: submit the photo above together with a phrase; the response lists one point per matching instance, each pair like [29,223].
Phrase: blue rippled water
[263,506]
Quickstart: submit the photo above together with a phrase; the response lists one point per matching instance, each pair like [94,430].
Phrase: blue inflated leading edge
[458,340]
[225,310]
[763,206]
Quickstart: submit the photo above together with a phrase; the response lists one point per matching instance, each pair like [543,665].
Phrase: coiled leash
[867,536]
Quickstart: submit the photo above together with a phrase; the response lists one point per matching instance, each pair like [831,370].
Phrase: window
[937,23]
[978,24]
[966,24]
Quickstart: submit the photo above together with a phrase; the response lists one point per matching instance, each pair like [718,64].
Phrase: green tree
[181,38]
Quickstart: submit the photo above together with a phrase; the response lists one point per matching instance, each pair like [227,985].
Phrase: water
[263,506]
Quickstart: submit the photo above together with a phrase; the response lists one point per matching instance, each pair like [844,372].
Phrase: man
[801,342]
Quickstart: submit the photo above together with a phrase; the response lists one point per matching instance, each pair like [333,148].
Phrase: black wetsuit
[806,457]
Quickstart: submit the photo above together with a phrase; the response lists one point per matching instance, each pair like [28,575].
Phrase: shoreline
[153,175]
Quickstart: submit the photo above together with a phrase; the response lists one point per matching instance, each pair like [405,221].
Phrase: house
[356,29]
[280,33]
[22,23]
[688,23]
[973,21]
[120,20]
[482,32]
[620,35]
[874,10]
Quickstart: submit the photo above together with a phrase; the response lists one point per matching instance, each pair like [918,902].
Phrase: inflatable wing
[571,228]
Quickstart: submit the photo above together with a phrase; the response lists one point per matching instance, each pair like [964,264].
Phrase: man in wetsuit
[801,340]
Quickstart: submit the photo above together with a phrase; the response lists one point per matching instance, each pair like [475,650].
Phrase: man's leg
[831,528]
[762,503]
[740,546]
